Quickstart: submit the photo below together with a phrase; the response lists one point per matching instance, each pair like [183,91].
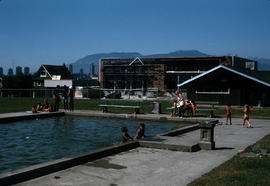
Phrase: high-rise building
[18,70]
[1,71]
[92,69]
[81,73]
[10,72]
[70,68]
[26,70]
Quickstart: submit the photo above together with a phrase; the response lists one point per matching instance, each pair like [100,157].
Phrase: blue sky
[33,32]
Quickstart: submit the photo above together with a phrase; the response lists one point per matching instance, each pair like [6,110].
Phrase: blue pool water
[30,142]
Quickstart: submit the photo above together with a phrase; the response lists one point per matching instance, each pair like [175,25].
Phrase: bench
[105,107]
[212,103]
[211,110]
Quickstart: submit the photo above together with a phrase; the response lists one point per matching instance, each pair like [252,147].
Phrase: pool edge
[43,169]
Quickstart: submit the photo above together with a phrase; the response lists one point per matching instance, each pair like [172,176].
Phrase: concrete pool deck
[18,116]
[151,117]
[151,166]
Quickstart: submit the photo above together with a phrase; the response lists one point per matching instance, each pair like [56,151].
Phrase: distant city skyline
[36,32]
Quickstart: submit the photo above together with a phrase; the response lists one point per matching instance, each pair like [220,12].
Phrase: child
[34,109]
[46,105]
[189,107]
[174,108]
[194,107]
[140,132]
[39,107]
[50,108]
[246,116]
[228,114]
[125,135]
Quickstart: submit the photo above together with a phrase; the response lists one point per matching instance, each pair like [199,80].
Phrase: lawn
[24,104]
[242,170]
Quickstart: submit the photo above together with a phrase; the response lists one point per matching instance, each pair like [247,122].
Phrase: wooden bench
[105,107]
[211,110]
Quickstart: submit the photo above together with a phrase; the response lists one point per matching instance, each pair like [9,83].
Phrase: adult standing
[180,104]
[65,97]
[56,98]
[70,95]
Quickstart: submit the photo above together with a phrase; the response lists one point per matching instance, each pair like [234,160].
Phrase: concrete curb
[65,163]
[61,164]
[180,131]
[147,117]
[172,147]
[43,169]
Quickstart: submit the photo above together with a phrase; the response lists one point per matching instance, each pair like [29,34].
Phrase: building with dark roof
[162,73]
[227,86]
[52,75]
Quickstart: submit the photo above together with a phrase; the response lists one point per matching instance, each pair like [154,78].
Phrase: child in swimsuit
[194,107]
[34,109]
[174,108]
[140,132]
[125,135]
[246,116]
[228,114]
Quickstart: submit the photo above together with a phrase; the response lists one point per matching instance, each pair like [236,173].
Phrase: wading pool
[30,142]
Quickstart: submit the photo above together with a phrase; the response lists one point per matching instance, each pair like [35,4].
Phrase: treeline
[19,81]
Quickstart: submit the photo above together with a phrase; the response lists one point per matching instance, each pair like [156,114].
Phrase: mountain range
[84,63]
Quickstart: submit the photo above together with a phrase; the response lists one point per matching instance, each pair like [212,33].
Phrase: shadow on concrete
[223,148]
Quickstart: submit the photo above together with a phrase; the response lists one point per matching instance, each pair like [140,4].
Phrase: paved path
[146,166]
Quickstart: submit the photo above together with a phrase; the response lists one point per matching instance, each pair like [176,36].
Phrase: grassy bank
[241,170]
[23,104]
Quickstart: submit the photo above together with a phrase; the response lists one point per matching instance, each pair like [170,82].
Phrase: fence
[92,93]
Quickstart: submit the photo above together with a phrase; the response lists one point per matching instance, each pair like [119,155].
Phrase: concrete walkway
[148,166]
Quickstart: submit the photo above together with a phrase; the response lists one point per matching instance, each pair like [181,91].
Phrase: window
[213,91]
[43,74]
[56,77]
[250,65]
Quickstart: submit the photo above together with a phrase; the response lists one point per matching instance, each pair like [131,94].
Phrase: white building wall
[54,83]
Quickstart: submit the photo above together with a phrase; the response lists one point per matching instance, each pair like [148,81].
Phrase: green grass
[23,104]
[240,170]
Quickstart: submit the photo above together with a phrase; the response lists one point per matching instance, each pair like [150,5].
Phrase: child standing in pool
[125,135]
[246,116]
[140,132]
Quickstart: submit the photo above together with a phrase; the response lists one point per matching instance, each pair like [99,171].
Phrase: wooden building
[227,85]
[162,73]
[52,75]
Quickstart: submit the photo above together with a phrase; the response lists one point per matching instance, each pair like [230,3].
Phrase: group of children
[46,107]
[139,134]
[180,106]
[245,118]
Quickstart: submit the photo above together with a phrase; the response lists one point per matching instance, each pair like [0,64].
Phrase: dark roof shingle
[58,70]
